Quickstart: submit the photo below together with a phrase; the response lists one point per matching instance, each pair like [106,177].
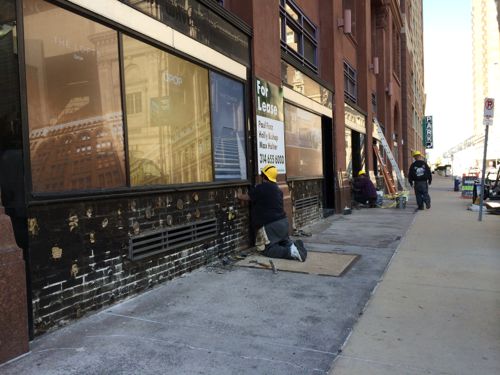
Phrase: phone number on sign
[271,159]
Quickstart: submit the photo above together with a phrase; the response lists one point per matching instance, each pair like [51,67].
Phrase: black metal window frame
[350,82]
[300,27]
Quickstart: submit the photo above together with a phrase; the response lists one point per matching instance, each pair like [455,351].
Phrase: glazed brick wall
[305,189]
[79,251]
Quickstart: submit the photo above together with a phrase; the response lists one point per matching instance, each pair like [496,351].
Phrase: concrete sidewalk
[231,320]
[437,310]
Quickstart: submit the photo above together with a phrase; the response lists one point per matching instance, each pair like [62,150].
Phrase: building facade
[128,128]
[413,80]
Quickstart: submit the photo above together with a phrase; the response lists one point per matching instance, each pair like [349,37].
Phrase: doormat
[317,263]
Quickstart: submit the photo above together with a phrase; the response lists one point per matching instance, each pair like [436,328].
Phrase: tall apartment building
[130,126]
[486,70]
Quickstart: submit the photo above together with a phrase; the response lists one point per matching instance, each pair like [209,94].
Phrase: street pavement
[436,310]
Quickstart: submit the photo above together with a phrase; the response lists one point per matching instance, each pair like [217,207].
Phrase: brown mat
[317,263]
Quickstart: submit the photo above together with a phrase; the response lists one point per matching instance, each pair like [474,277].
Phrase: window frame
[36,197]
[350,77]
[300,26]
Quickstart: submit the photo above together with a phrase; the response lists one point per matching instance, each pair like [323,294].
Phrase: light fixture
[388,89]
[374,65]
[345,22]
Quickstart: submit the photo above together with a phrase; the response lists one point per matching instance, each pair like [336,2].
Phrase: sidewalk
[232,320]
[437,310]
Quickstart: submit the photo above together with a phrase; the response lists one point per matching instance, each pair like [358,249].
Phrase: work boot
[294,252]
[302,250]
[420,207]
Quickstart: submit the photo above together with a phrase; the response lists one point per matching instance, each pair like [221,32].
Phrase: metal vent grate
[171,238]
[308,202]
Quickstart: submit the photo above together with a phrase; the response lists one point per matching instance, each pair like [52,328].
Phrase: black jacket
[419,171]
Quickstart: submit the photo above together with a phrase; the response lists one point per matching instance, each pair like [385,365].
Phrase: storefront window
[169,138]
[304,156]
[228,126]
[74,106]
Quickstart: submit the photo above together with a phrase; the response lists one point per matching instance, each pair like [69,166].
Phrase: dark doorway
[328,167]
[11,140]
[357,152]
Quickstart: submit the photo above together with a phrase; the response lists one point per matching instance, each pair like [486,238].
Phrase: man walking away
[420,175]
[269,219]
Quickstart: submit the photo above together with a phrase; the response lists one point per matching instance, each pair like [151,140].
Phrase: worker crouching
[269,219]
[364,191]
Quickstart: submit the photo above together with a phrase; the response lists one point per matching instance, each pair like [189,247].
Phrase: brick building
[134,123]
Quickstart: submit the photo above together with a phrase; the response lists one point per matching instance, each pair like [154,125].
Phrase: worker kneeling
[269,219]
[364,190]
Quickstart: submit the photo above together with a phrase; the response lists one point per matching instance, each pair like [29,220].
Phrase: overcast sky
[448,70]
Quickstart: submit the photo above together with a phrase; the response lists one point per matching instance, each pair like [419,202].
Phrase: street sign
[489,107]
[429,143]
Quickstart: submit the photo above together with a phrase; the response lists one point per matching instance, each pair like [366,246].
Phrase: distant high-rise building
[486,60]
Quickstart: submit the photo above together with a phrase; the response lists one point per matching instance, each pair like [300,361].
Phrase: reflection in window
[73,91]
[228,126]
[300,82]
[304,156]
[169,140]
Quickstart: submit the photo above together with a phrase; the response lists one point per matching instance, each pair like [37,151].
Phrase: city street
[436,310]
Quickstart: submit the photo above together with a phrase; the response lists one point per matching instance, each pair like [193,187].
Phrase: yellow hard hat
[361,172]
[416,153]
[271,172]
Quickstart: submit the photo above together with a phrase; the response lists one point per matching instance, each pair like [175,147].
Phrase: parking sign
[489,109]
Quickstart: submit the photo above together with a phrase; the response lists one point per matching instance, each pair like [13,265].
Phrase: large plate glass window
[298,34]
[169,139]
[303,143]
[74,106]
[228,127]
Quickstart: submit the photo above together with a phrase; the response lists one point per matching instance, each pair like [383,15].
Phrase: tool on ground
[275,270]
[260,264]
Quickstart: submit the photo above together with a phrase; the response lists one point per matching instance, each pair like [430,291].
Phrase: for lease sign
[270,125]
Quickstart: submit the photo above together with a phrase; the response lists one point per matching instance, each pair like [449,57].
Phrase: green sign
[427,132]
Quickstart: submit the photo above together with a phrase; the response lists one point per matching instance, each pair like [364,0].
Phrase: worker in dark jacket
[269,219]
[364,190]
[420,175]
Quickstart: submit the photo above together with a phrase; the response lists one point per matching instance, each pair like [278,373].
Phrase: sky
[448,71]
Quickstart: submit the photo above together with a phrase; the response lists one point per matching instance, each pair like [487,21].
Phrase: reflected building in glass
[74,106]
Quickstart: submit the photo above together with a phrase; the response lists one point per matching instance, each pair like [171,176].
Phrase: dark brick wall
[79,251]
[306,189]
